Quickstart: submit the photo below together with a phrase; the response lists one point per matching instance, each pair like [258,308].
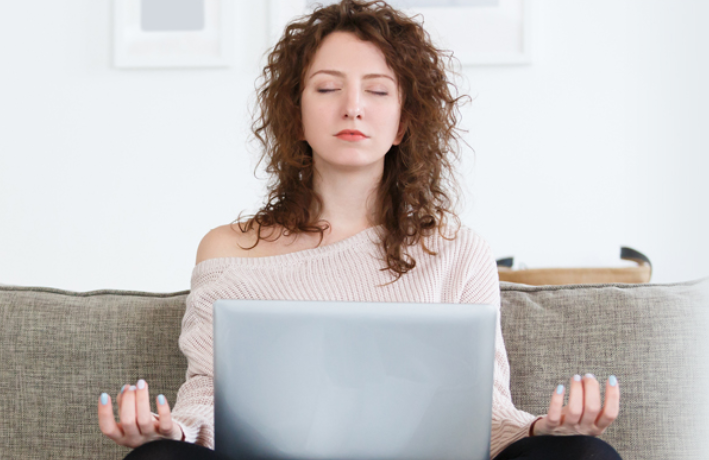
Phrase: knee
[162,449]
[592,448]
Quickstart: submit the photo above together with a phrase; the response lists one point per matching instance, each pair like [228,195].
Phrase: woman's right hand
[138,425]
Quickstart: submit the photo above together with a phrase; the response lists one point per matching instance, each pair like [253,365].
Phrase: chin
[353,161]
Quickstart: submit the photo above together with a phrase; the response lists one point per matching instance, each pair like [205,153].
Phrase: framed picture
[172,33]
[478,32]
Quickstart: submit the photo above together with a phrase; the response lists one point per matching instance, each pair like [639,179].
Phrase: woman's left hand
[583,413]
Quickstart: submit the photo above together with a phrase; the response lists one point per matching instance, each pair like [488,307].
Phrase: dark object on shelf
[591,275]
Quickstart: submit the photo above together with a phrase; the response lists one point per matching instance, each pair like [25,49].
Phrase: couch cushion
[651,336]
[60,350]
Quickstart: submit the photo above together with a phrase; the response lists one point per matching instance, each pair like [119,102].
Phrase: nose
[353,104]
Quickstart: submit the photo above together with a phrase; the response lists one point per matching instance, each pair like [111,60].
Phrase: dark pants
[536,448]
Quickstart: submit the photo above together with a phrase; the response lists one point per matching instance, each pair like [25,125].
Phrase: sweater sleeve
[483,287]
[194,407]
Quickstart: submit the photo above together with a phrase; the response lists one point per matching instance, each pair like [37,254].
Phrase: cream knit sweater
[464,271]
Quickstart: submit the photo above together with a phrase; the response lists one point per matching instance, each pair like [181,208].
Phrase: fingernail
[590,376]
[560,389]
[161,400]
[577,378]
[104,399]
[612,380]
[123,388]
[132,388]
[141,384]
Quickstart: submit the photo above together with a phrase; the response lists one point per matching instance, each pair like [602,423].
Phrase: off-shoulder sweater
[463,271]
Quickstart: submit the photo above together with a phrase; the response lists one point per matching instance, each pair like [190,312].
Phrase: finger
[554,416]
[127,414]
[119,398]
[166,424]
[591,404]
[145,419]
[106,420]
[611,407]
[574,408]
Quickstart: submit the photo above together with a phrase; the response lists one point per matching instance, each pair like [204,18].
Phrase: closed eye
[378,93]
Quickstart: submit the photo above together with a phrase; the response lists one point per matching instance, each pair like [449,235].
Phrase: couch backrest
[652,337]
[59,350]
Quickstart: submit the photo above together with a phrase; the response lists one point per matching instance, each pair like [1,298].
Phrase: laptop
[304,380]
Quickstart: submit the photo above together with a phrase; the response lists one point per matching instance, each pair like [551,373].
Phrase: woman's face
[349,86]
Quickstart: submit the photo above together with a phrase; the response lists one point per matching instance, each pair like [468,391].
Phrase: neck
[349,197]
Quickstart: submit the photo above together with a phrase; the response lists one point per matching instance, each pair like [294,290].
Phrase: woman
[357,123]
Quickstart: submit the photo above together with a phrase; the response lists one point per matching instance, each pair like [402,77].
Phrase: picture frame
[479,32]
[209,44]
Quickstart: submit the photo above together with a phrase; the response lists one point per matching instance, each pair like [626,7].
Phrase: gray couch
[59,350]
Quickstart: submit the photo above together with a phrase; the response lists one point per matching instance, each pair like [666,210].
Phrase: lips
[350,135]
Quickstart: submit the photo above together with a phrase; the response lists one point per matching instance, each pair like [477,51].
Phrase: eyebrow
[340,74]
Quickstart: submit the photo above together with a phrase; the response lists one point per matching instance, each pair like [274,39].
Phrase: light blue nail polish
[560,389]
[124,388]
[161,400]
[141,384]
[612,380]
[104,399]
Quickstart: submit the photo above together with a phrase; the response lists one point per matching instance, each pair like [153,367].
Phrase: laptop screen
[353,380]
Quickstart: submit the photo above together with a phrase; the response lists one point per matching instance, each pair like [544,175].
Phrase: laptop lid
[353,380]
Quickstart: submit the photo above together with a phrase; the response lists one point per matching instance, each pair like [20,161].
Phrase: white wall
[109,179]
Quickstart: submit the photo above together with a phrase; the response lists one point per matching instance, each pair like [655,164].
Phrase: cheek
[312,112]
[313,118]
[306,117]
[392,120]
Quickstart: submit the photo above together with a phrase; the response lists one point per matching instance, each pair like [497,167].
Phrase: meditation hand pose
[583,414]
[358,128]
[138,425]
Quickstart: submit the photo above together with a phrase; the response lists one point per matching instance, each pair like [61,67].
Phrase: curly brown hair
[413,195]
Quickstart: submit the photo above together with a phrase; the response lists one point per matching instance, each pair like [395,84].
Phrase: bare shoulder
[230,241]
[224,241]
